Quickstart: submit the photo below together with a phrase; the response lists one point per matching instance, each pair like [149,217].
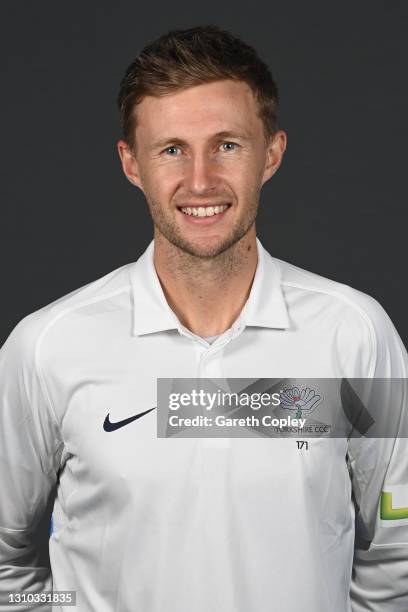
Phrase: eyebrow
[163,142]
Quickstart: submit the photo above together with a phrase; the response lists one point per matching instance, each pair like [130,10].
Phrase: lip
[204,220]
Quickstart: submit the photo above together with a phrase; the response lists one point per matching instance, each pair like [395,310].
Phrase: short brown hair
[185,58]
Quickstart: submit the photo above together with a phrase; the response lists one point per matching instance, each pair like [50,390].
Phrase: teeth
[204,211]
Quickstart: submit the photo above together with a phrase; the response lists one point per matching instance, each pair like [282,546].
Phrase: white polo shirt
[152,524]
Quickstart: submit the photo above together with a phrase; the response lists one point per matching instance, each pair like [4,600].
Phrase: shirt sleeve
[379,472]
[30,448]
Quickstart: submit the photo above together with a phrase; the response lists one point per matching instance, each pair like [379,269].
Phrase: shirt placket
[209,365]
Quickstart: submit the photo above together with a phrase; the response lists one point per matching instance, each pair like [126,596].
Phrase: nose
[201,176]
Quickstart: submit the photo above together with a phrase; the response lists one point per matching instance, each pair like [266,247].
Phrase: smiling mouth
[203,211]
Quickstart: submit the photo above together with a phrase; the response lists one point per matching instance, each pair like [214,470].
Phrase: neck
[207,295]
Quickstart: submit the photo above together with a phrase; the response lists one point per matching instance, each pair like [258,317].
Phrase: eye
[229,146]
[171,150]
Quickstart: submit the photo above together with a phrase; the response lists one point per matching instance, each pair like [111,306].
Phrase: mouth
[205,212]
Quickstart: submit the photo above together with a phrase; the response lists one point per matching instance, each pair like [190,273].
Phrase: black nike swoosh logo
[109,426]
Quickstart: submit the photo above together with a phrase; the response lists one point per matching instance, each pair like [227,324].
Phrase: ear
[275,149]
[130,165]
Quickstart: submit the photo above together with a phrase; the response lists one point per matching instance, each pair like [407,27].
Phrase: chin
[204,249]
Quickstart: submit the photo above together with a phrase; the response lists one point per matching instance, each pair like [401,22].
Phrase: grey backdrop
[337,205]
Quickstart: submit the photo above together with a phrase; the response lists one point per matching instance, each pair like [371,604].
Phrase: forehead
[208,107]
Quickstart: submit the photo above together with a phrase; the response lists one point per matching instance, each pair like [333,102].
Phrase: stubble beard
[169,230]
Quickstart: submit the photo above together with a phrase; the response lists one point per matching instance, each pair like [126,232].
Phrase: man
[213,524]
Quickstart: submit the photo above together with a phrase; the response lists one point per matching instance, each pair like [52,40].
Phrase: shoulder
[308,285]
[30,330]
[357,317]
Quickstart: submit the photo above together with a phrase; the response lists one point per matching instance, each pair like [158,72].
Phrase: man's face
[201,159]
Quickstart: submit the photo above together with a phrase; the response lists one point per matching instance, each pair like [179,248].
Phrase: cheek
[245,173]
[159,186]
[246,183]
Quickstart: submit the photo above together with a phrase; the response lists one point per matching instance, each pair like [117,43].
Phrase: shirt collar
[265,306]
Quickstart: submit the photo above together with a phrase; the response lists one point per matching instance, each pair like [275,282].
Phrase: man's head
[200,136]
